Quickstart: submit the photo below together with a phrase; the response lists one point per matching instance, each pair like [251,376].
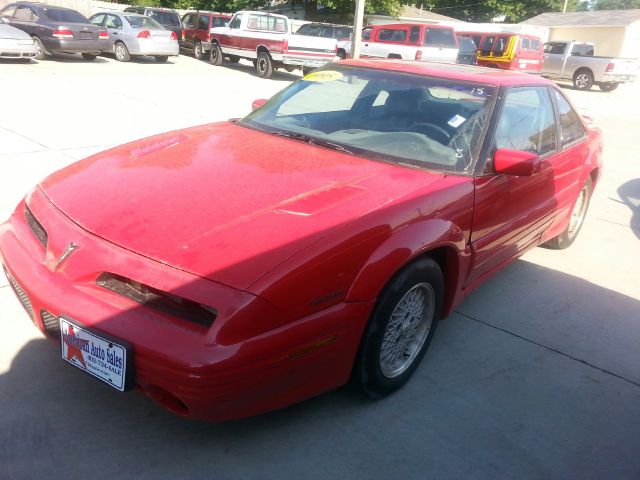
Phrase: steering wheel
[433,131]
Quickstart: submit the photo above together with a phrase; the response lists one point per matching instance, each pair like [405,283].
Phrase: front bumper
[184,368]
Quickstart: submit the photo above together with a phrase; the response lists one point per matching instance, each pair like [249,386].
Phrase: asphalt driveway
[536,375]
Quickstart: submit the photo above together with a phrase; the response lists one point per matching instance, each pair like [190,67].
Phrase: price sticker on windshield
[323,76]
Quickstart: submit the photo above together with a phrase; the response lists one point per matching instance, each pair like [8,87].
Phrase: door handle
[366,44]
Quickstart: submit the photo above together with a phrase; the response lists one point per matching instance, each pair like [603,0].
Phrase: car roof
[405,25]
[216,14]
[470,73]
[43,5]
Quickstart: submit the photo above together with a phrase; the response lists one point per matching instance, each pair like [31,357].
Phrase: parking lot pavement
[536,375]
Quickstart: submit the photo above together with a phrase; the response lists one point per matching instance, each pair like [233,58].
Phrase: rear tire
[89,56]
[583,79]
[264,65]
[121,52]
[41,52]
[400,329]
[215,55]
[608,87]
[197,50]
[578,214]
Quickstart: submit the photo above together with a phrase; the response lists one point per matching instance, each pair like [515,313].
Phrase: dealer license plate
[96,355]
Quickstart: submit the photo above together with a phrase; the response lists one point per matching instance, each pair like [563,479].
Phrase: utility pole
[564,9]
[358,21]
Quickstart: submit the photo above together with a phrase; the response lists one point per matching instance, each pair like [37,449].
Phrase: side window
[389,35]
[487,43]
[303,30]
[535,44]
[527,121]
[8,12]
[366,34]
[203,22]
[113,22]
[571,127]
[189,20]
[524,44]
[326,32]
[236,21]
[500,45]
[25,14]
[98,19]
[414,36]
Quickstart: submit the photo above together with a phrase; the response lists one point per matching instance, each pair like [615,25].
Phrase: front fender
[445,239]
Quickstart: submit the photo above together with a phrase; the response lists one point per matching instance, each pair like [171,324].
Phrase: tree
[616,4]
[514,10]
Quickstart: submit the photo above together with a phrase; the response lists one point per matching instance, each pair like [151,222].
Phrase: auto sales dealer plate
[96,355]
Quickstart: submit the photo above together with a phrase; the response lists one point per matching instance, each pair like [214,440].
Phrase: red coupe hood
[223,201]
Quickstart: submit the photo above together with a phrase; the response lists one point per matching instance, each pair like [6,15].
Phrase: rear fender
[445,240]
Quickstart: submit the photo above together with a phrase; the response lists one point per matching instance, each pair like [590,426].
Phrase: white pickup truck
[575,61]
[266,39]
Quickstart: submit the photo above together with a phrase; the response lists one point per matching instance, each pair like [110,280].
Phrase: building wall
[631,45]
[609,41]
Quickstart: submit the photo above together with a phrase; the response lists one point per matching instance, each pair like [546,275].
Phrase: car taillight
[609,67]
[285,45]
[184,34]
[62,32]
[418,54]
[103,35]
[144,34]
[174,36]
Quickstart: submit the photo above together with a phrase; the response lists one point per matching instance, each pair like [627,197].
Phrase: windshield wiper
[314,141]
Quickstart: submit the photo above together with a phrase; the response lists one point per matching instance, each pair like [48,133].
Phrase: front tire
[264,65]
[41,52]
[578,214]
[121,52]
[583,79]
[400,329]
[215,55]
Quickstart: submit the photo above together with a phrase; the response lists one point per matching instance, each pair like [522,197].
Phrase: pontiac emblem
[70,249]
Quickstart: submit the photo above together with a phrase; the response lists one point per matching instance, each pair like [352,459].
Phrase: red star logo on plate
[74,346]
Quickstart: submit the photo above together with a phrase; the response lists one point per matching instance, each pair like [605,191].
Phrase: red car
[235,268]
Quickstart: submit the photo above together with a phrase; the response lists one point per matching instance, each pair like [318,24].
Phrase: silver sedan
[15,43]
[131,34]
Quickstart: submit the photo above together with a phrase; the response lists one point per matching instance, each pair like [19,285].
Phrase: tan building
[616,33]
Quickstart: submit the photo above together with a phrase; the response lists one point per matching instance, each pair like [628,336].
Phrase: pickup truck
[266,39]
[575,61]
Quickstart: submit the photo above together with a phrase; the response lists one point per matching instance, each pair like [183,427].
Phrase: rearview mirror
[258,103]
[516,162]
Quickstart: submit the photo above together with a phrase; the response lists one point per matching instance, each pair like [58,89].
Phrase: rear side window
[570,125]
[203,22]
[267,23]
[414,36]
[440,37]
[165,18]
[70,16]
[582,50]
[8,12]
[527,121]
[389,35]
[303,30]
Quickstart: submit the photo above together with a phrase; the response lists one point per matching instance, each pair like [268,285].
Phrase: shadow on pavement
[72,58]
[630,194]
[484,404]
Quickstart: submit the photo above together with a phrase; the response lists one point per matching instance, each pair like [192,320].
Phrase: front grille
[51,324]
[20,293]
[37,229]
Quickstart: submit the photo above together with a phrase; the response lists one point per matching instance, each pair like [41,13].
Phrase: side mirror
[516,162]
[258,103]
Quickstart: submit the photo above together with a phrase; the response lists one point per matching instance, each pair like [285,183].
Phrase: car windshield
[165,18]
[143,22]
[411,120]
[67,16]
